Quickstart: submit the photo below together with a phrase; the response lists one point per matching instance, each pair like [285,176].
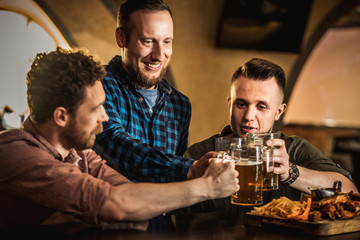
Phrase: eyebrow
[97,106]
[264,102]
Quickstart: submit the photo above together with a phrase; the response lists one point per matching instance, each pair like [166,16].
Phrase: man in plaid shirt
[147,131]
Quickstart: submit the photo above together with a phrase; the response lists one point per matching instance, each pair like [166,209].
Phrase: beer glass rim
[241,140]
[260,136]
[260,133]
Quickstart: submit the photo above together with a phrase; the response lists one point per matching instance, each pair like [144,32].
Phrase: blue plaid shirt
[145,147]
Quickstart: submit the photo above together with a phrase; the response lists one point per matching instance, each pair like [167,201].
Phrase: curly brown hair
[59,79]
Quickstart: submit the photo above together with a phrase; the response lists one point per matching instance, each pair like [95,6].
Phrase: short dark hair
[58,79]
[260,69]
[130,6]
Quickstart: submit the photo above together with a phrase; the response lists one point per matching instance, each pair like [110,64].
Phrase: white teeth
[153,65]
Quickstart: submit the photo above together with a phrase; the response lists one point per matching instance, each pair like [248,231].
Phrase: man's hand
[281,157]
[198,168]
[222,177]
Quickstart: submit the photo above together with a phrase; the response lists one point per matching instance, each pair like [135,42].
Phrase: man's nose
[158,53]
[104,116]
[249,113]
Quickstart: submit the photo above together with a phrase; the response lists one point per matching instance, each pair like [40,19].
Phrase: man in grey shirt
[255,103]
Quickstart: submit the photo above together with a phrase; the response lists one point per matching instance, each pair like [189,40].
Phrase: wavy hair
[59,79]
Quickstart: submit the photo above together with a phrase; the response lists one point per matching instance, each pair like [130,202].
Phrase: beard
[142,80]
[74,137]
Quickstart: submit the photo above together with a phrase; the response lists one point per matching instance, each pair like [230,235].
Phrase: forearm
[312,179]
[142,201]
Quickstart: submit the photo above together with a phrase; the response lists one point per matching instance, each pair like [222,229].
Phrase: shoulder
[305,154]
[293,141]
[179,94]
[20,151]
[179,98]
[174,94]
[24,144]
[114,65]
[114,72]
[300,150]
[180,103]
[15,135]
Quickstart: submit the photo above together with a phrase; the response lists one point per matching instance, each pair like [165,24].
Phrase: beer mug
[271,180]
[222,146]
[248,163]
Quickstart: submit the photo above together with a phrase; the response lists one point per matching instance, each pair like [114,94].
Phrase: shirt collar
[73,157]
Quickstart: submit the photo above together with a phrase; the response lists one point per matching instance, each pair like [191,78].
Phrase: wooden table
[203,226]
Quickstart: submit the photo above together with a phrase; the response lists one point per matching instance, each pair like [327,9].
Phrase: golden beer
[271,180]
[251,183]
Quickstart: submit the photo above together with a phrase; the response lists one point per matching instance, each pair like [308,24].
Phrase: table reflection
[200,226]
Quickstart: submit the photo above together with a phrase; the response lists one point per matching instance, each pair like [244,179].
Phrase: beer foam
[246,162]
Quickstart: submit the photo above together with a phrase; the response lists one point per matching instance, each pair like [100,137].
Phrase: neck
[51,133]
[150,88]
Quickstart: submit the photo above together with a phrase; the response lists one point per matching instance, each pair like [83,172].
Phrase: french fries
[281,207]
[339,206]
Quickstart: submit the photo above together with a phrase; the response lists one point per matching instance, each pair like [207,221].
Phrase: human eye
[147,42]
[262,107]
[168,41]
[240,104]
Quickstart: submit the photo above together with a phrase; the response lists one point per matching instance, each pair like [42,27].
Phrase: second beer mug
[271,180]
[248,163]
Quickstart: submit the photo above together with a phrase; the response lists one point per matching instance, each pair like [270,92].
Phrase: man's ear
[280,111]
[229,101]
[60,116]
[120,37]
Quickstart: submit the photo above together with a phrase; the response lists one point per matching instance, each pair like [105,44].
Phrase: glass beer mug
[271,180]
[248,163]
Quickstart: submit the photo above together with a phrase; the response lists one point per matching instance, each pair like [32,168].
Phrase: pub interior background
[315,41]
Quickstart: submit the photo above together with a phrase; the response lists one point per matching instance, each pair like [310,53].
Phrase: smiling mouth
[153,65]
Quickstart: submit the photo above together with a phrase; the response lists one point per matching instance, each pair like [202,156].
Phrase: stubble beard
[141,80]
[73,137]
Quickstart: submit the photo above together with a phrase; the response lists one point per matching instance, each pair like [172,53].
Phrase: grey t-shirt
[150,96]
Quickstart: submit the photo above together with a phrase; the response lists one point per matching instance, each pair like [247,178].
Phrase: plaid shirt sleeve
[139,154]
